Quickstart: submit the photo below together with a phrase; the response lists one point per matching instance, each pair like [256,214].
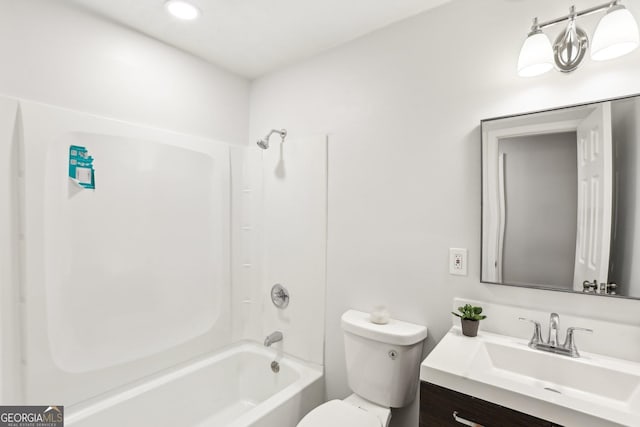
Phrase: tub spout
[273,337]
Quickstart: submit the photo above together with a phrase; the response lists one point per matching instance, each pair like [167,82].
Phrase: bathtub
[231,388]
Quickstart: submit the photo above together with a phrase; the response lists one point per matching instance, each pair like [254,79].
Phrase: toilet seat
[339,413]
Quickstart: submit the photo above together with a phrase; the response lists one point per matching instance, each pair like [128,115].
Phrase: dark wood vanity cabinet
[438,405]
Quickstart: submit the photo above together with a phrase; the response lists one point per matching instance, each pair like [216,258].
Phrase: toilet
[383,363]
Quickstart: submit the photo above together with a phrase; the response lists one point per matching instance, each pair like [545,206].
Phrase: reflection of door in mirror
[540,193]
[537,225]
[595,187]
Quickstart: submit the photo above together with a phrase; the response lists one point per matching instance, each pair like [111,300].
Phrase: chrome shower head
[264,142]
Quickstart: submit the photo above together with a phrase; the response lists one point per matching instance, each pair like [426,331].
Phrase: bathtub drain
[275,367]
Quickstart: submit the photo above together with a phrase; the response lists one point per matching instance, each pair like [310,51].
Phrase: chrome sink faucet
[554,324]
[272,338]
[553,344]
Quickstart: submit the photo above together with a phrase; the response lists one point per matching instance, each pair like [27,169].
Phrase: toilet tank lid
[395,332]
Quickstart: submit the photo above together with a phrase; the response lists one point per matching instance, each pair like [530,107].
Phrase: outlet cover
[458,261]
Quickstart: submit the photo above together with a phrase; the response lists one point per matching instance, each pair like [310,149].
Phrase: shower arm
[281,132]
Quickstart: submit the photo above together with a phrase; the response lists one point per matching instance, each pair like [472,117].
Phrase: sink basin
[534,381]
[556,373]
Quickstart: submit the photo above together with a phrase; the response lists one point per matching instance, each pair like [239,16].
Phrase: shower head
[264,142]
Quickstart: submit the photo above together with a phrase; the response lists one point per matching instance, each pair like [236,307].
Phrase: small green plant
[469,312]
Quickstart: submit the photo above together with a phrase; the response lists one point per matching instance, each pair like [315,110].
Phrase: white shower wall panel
[247,243]
[9,344]
[295,241]
[140,253]
[131,277]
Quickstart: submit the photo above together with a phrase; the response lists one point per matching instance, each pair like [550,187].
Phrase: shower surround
[127,287]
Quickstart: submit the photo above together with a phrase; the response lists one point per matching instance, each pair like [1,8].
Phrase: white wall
[58,55]
[403,107]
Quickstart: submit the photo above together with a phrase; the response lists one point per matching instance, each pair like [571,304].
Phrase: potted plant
[470,317]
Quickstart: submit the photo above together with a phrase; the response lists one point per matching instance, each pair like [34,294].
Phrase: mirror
[559,199]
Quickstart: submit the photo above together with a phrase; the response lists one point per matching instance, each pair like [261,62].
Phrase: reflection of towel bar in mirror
[558,198]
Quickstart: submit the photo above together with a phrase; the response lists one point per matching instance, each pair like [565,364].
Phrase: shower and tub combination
[122,306]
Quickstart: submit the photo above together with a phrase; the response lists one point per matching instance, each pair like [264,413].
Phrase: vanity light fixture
[615,35]
[182,9]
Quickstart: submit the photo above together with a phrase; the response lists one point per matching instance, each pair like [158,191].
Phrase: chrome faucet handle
[537,331]
[570,342]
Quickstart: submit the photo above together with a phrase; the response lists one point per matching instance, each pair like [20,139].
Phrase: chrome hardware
[464,421]
[570,343]
[570,45]
[602,288]
[588,286]
[280,296]
[537,331]
[273,338]
[552,345]
[552,338]
[264,142]
[275,367]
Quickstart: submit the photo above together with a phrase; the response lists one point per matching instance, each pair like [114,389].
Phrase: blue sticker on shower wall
[81,167]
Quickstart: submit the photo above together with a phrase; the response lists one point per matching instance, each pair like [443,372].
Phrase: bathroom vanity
[498,380]
[440,406]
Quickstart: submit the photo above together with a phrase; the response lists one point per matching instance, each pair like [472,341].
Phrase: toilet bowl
[353,411]
[383,364]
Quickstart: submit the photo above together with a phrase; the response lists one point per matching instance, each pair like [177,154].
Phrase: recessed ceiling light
[182,9]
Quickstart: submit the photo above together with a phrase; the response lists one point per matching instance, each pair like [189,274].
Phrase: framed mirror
[561,201]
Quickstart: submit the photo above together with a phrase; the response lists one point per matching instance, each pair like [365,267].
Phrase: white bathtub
[235,387]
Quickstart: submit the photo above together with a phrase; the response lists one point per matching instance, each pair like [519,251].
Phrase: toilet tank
[383,361]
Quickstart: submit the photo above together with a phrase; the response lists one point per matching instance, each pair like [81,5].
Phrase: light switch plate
[458,261]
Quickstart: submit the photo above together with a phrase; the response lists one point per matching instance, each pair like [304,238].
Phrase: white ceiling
[253,37]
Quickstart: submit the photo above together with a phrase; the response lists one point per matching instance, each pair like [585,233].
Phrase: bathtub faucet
[273,337]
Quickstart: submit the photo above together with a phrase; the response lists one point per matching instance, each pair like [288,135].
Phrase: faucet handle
[575,328]
[570,342]
[537,331]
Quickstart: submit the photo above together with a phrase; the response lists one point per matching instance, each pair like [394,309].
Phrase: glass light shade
[182,9]
[536,55]
[615,35]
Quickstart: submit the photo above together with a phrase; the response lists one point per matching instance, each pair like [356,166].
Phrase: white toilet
[383,363]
